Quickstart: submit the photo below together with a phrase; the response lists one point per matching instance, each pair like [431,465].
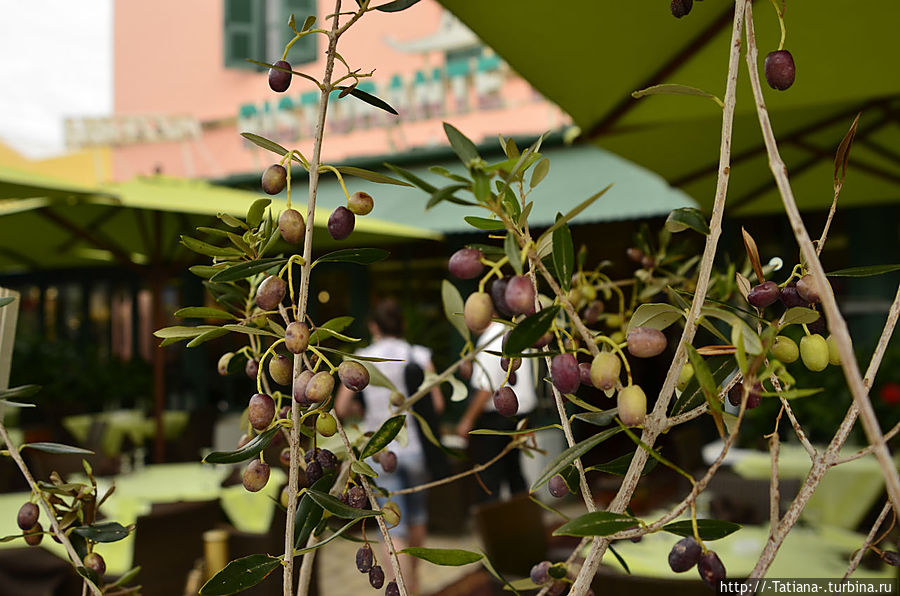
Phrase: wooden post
[9,315]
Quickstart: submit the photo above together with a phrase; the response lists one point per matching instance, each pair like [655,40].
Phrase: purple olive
[539,573]
[291,226]
[274,179]
[255,476]
[270,292]
[584,374]
[646,342]
[466,263]
[376,577]
[711,569]
[388,461]
[299,387]
[736,393]
[558,487]
[780,70]
[764,294]
[252,368]
[341,223]
[392,589]
[260,411]
[565,374]
[592,312]
[498,296]
[28,516]
[95,562]
[364,558]
[353,375]
[279,80]
[356,497]
[790,297]
[320,387]
[296,337]
[684,555]
[519,295]
[313,472]
[807,289]
[505,364]
[681,8]
[506,402]
[34,534]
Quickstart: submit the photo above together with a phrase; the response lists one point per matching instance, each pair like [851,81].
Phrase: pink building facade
[183,91]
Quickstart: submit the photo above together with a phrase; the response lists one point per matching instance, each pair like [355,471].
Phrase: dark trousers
[482,448]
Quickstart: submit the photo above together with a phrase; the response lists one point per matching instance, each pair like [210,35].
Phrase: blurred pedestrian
[387,328]
[487,377]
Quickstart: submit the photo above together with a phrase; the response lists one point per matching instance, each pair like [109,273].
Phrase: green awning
[589,56]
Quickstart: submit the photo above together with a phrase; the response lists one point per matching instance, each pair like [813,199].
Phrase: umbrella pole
[159,369]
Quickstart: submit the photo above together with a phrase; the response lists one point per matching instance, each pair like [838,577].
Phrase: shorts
[413,507]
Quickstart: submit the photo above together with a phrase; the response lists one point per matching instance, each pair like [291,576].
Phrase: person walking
[387,327]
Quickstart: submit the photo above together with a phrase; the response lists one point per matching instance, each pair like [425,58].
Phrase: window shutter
[306,48]
[244,32]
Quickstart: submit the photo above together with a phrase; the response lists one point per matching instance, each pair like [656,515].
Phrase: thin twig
[857,558]
[836,323]
[774,493]
[379,519]
[306,566]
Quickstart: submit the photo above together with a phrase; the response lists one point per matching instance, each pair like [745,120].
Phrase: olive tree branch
[836,322]
[870,539]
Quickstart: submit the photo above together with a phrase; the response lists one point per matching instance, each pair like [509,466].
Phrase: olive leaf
[686,218]
[563,254]
[753,254]
[597,523]
[842,156]
[655,315]
[452,557]
[383,436]
[569,455]
[672,89]
[462,146]
[709,529]
[240,574]
[453,308]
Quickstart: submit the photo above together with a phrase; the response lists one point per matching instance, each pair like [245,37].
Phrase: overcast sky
[55,61]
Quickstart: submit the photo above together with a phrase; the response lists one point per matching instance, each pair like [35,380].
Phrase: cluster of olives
[365,563]
[291,224]
[555,577]
[687,552]
[33,533]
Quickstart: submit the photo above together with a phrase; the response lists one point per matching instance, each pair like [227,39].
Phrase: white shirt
[378,399]
[488,376]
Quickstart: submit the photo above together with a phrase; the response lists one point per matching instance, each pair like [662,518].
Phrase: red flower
[890,393]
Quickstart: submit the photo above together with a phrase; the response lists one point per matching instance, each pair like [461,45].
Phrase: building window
[257,29]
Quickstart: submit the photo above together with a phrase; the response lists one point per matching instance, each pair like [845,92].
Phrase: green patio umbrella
[589,56]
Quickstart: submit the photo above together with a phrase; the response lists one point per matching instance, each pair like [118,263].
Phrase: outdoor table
[164,483]
[844,496]
[133,424]
[808,551]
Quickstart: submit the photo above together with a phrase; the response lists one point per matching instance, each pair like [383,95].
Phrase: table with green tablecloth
[165,483]
[846,493]
[821,552]
[119,424]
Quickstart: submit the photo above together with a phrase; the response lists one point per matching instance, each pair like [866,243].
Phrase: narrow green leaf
[686,218]
[206,271]
[321,543]
[248,330]
[248,451]
[182,331]
[619,466]
[721,367]
[704,378]
[209,250]
[338,509]
[369,99]
[203,312]
[445,194]
[601,418]
[90,575]
[511,204]
[512,433]
[563,254]
[205,337]
[798,315]
[361,467]
[709,529]
[329,328]
[20,392]
[569,455]
[461,144]
[513,253]
[453,308]
[794,393]
[540,172]
[309,513]
[357,357]
[415,180]
[360,256]
[127,577]
[619,559]
[265,144]
[371,176]
[247,269]
[866,271]
[383,436]
[308,23]
[655,315]
[670,89]
[6,300]
[57,448]
[442,171]
[448,557]
[103,532]
[597,523]
[529,330]
[256,210]
[240,574]
[483,223]
[481,187]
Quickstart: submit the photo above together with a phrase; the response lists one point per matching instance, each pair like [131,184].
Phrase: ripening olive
[558,487]
[466,263]
[505,401]
[834,356]
[291,226]
[255,476]
[498,296]
[270,292]
[274,179]
[353,375]
[808,289]
[224,361]
[251,369]
[790,297]
[326,425]
[320,387]
[685,554]
[478,311]
[564,373]
[364,558]
[814,352]
[632,404]
[299,387]
[605,370]
[391,514]
[711,569]
[584,374]
[780,69]
[341,223]
[356,497]
[539,573]
[376,577]
[388,461]
[680,8]
[95,561]
[281,369]
[519,295]
[685,376]
[296,337]
[361,203]
[646,342]
[764,294]
[34,534]
[28,515]
[260,411]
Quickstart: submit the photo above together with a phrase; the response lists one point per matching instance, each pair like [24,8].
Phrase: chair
[512,533]
[169,540]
